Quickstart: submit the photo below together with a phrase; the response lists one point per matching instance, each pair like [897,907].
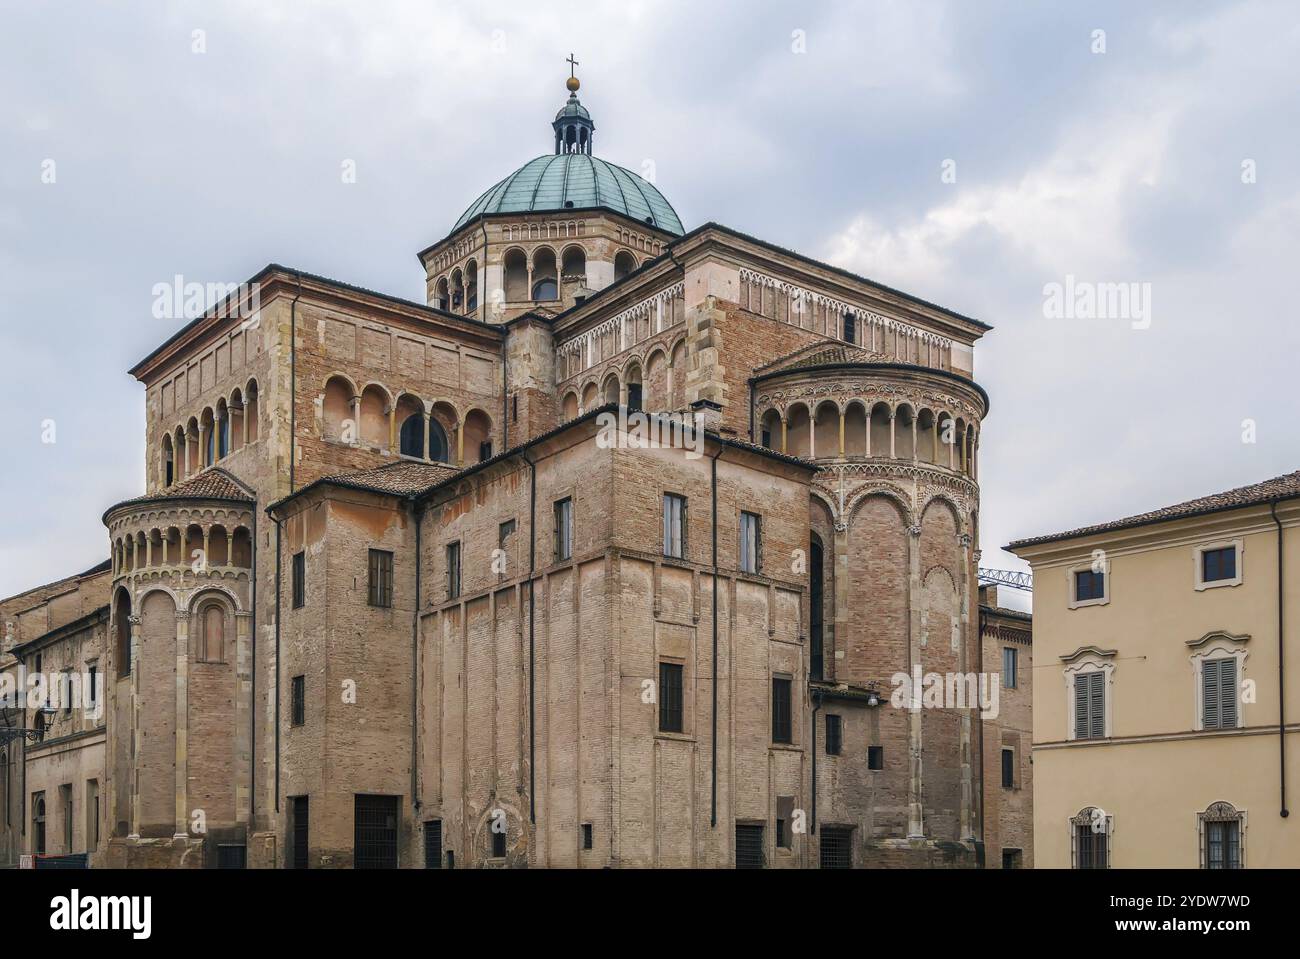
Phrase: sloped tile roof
[1280,487]
[212,483]
[821,354]
[404,478]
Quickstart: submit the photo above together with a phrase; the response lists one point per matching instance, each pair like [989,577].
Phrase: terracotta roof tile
[404,478]
[1280,487]
[212,483]
[822,354]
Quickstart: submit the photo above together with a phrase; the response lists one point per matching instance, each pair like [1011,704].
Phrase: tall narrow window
[484,450]
[298,700]
[586,835]
[834,734]
[300,813]
[38,823]
[1221,837]
[1219,693]
[782,727]
[563,530]
[433,844]
[65,801]
[92,813]
[751,543]
[212,629]
[453,570]
[299,580]
[381,578]
[634,396]
[674,525]
[850,328]
[1009,666]
[1008,769]
[670,698]
[1090,705]
[1091,840]
[93,677]
[498,844]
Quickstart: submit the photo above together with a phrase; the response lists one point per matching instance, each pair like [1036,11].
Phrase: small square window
[1219,564]
[1089,584]
[876,757]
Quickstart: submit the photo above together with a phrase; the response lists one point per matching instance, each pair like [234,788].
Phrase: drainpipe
[278,581]
[812,818]
[532,661]
[1281,670]
[979,718]
[252,703]
[415,666]
[713,482]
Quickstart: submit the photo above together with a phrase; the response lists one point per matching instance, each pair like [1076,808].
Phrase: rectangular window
[1090,705]
[674,525]
[1219,693]
[834,734]
[1217,564]
[484,450]
[298,700]
[65,690]
[65,801]
[1223,845]
[563,530]
[504,532]
[749,846]
[1012,859]
[876,757]
[93,676]
[1008,769]
[1009,664]
[781,718]
[299,566]
[1091,850]
[586,835]
[381,578]
[92,813]
[751,543]
[670,697]
[498,845]
[782,834]
[433,844]
[453,570]
[836,847]
[1089,584]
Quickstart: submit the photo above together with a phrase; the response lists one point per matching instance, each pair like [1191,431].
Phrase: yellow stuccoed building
[1167,685]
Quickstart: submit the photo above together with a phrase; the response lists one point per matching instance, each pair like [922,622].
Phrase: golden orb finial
[573,82]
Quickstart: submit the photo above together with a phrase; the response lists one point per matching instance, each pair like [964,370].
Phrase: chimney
[707,415]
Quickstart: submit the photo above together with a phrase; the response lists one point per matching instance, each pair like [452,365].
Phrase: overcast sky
[968,152]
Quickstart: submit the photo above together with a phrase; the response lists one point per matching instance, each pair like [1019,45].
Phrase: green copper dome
[567,181]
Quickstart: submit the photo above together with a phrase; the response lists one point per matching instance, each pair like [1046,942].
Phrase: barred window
[670,698]
[381,578]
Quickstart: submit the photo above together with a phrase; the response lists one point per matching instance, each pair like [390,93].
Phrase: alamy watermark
[188,300]
[1084,300]
[633,429]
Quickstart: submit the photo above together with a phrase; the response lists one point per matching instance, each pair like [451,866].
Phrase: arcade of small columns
[160,547]
[379,421]
[212,435]
[868,426]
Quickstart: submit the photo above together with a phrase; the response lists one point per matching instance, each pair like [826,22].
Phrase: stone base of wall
[182,853]
[919,854]
[262,851]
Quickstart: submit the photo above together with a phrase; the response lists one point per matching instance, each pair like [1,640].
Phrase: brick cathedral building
[407,587]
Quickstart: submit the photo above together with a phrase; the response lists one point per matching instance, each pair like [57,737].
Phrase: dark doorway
[300,826]
[375,841]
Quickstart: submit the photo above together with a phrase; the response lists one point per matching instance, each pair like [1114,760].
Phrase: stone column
[182,719]
[428,436]
[841,434]
[460,444]
[783,429]
[392,428]
[893,415]
[356,421]
[134,779]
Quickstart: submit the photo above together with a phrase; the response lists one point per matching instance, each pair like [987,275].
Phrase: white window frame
[1217,809]
[1216,645]
[1103,599]
[1089,659]
[1198,564]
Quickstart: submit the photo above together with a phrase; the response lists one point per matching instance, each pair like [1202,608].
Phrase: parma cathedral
[406,586]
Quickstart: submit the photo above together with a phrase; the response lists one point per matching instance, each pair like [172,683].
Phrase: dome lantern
[572,125]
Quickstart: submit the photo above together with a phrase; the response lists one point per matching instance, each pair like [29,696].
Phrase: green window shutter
[1097,705]
[1228,693]
[1081,706]
[1210,693]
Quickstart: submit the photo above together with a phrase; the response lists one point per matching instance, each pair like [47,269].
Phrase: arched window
[122,633]
[38,824]
[441,295]
[438,448]
[574,264]
[169,461]
[1222,828]
[223,430]
[516,276]
[634,387]
[208,427]
[624,263]
[412,435]
[478,436]
[471,286]
[212,632]
[250,412]
[545,282]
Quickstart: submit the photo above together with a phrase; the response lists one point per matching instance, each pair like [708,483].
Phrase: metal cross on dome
[572,63]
